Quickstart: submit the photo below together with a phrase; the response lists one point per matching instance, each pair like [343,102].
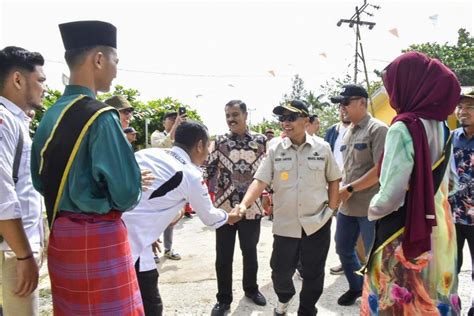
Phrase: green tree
[297,90]
[267,124]
[459,57]
[151,111]
[316,103]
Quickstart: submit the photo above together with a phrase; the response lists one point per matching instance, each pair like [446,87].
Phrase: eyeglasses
[290,117]
[346,102]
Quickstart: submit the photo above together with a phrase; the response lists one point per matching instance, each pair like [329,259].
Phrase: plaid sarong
[90,266]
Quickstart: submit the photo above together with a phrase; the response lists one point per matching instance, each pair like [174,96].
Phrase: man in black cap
[362,146]
[305,180]
[85,169]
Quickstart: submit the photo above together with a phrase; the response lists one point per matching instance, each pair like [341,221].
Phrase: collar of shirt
[462,132]
[74,89]
[363,123]
[237,136]
[183,154]
[15,110]
[287,143]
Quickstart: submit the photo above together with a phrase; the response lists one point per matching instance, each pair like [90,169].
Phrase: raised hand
[147,179]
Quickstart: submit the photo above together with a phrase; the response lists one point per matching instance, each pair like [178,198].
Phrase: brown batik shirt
[233,161]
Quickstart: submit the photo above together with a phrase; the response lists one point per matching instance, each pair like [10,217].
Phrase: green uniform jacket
[104,174]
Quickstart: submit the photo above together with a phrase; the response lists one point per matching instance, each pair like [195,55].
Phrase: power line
[177,74]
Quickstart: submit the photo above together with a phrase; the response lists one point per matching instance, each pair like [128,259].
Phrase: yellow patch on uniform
[284,175]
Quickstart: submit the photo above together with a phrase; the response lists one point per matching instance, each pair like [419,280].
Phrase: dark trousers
[148,283]
[312,250]
[249,233]
[463,233]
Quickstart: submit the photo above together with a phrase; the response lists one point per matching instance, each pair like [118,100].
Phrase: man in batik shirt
[461,202]
[234,160]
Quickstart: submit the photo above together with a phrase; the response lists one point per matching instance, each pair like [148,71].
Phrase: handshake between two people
[237,213]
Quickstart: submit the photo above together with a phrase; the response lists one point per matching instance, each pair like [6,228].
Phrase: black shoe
[220,309]
[188,215]
[349,297]
[470,312]
[257,298]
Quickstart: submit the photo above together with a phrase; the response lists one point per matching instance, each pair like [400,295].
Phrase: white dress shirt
[20,200]
[149,219]
[337,146]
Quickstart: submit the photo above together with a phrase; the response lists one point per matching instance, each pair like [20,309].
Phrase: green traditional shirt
[104,174]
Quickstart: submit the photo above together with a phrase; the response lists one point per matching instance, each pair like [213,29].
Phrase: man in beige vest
[305,179]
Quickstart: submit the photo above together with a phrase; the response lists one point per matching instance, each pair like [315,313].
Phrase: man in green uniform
[86,170]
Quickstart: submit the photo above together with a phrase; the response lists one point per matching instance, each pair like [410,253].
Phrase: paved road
[188,286]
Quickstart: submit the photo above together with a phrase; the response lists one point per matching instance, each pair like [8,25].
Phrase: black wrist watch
[350,188]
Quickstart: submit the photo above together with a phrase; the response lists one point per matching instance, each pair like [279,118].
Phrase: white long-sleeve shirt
[178,182]
[20,200]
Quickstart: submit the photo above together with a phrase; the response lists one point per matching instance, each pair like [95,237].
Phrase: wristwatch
[350,188]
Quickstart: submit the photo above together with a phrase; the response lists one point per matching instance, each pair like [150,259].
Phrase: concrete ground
[188,286]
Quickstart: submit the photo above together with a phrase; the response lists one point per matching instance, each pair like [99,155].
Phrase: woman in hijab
[412,266]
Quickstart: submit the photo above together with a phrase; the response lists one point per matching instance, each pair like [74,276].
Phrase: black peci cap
[81,34]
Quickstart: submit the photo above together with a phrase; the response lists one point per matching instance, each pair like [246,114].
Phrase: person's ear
[200,146]
[17,79]
[98,60]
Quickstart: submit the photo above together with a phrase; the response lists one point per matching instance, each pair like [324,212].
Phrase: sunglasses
[290,117]
[346,102]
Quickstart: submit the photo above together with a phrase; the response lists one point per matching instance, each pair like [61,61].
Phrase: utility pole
[355,20]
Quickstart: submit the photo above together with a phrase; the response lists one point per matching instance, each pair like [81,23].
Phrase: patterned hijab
[420,87]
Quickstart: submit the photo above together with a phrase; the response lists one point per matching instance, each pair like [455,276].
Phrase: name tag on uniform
[316,158]
[284,176]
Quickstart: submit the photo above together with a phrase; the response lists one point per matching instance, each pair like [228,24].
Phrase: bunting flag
[434,19]
[394,32]
[323,54]
[271,72]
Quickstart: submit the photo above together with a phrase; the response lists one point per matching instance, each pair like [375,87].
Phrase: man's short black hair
[189,133]
[75,57]
[14,58]
[242,105]
[312,118]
